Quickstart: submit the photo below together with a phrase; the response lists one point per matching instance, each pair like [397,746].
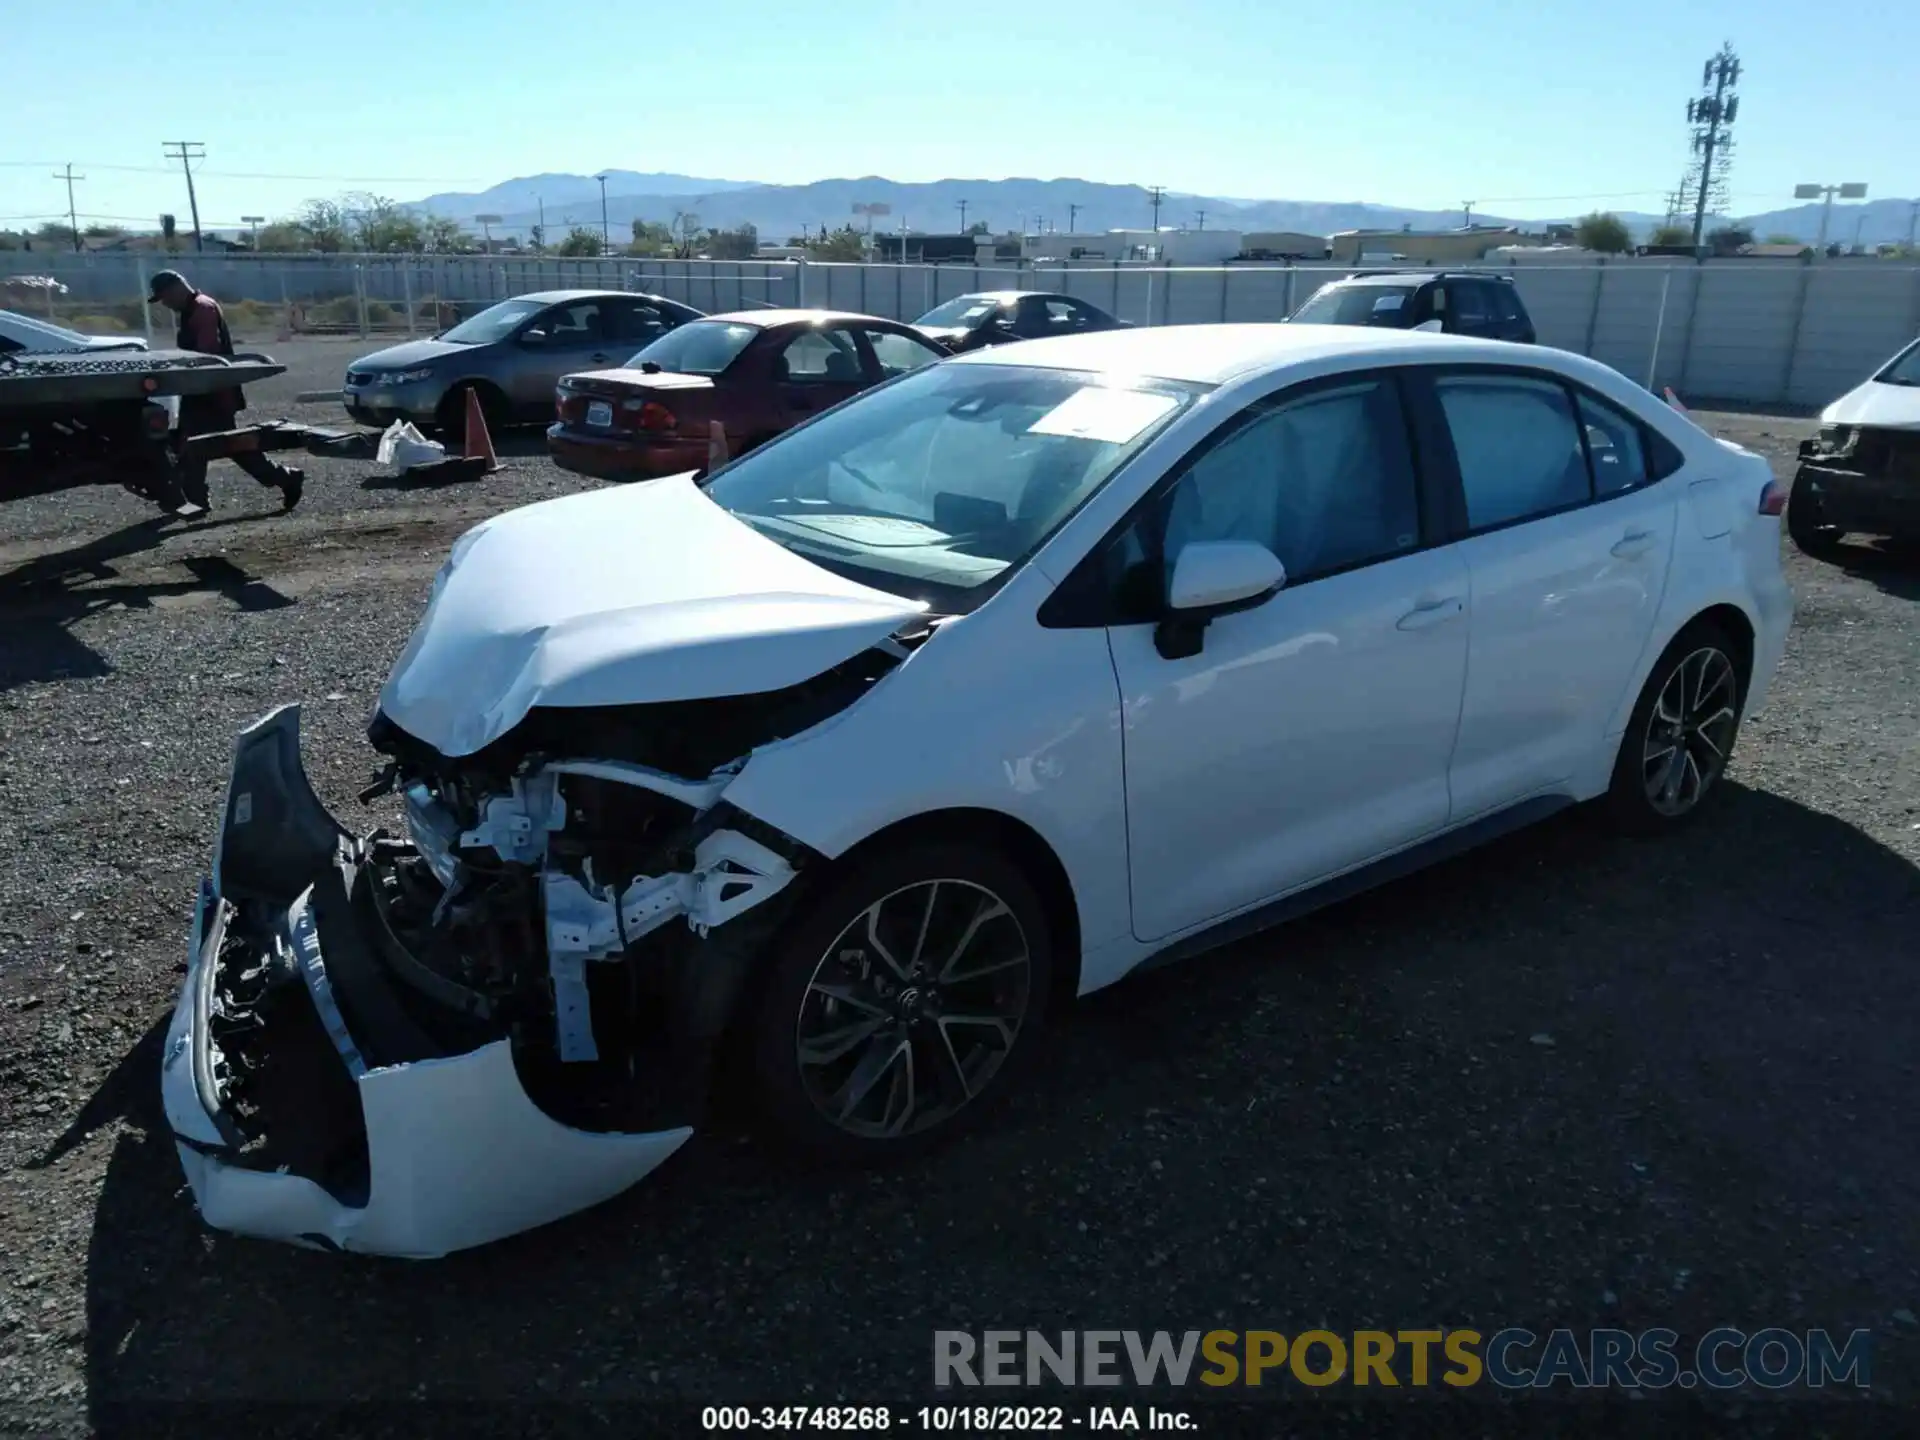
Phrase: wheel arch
[1022,844]
[488,390]
[1726,613]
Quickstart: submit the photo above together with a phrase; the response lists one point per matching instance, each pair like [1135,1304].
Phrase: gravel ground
[1563,1081]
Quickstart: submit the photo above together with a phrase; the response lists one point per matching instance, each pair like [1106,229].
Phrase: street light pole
[961,205]
[606,239]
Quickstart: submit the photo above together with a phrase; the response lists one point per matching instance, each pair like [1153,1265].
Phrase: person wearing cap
[203,329]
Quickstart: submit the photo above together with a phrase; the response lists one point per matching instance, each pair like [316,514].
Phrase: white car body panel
[623,596]
[1891,407]
[42,337]
[1347,717]
[1568,602]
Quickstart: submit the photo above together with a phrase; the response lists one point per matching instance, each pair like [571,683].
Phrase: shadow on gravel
[1727,1071]
[1890,565]
[41,599]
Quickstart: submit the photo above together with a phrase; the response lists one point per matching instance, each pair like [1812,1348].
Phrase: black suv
[1488,306]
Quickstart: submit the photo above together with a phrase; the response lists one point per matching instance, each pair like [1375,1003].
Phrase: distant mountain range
[780,211]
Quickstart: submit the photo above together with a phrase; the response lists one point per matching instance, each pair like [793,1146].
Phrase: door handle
[1432,612]
[1634,544]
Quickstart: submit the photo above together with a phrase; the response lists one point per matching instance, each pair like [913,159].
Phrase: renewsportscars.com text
[1773,1358]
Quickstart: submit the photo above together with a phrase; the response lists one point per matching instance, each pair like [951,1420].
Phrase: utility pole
[1200,219]
[1073,219]
[253,224]
[1466,207]
[961,205]
[1913,225]
[1156,193]
[1711,115]
[186,152]
[606,239]
[73,219]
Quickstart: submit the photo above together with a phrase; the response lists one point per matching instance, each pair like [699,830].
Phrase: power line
[186,152]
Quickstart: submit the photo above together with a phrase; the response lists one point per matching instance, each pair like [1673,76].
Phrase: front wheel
[903,1004]
[1681,734]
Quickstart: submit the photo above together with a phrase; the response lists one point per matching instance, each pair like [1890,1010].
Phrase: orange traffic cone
[479,442]
[716,445]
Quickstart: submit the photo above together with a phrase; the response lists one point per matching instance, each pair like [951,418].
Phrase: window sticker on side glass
[1098,413]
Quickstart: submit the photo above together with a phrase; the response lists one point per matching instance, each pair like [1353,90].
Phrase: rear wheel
[1681,734]
[1807,523]
[904,1004]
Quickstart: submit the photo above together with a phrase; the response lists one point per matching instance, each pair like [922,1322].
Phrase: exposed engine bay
[566,897]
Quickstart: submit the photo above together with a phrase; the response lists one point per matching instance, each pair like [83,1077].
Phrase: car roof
[1215,354]
[554,297]
[767,319]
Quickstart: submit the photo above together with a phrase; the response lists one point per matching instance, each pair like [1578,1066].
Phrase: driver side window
[1324,479]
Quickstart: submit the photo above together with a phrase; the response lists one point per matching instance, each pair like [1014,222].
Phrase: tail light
[652,415]
[1773,499]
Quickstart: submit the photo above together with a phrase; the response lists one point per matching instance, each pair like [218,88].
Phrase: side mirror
[1213,577]
[533,337]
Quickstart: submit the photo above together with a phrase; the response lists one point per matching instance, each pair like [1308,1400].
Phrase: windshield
[935,485]
[1905,369]
[966,312]
[1357,305]
[496,322]
[706,347]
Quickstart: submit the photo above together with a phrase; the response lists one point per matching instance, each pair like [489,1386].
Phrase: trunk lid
[624,392]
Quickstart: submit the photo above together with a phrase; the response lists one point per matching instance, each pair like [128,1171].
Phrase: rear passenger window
[1614,445]
[1518,447]
[1504,303]
[1663,456]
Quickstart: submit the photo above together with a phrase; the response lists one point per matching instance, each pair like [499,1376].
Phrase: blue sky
[1530,109]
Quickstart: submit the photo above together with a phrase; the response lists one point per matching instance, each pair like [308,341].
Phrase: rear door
[1567,557]
[817,369]
[558,341]
[1509,314]
[1471,310]
[895,352]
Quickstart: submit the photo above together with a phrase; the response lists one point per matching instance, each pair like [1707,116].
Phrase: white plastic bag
[402,447]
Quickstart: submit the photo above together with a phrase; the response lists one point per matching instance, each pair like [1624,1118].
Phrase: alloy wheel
[1690,731]
[913,1008]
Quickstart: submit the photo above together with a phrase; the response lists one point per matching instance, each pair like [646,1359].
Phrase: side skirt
[1470,836]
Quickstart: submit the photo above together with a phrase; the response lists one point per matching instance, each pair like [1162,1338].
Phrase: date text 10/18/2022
[989,1419]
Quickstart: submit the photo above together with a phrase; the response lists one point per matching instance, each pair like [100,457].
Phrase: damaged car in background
[1861,473]
[811,773]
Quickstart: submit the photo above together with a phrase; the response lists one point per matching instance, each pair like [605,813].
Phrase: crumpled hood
[631,595]
[410,355]
[1896,407]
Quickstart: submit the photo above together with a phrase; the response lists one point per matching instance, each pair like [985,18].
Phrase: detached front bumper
[308,1101]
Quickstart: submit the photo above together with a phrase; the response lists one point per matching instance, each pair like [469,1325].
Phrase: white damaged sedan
[970,695]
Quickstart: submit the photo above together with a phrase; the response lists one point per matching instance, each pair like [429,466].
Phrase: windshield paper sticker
[1099,413]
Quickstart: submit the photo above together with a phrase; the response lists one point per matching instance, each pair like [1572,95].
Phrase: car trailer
[74,418]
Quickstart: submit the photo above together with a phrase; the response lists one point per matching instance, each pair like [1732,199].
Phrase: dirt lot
[1564,1081]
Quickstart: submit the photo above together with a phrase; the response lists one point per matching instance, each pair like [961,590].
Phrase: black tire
[794,1096]
[1807,523]
[1631,803]
[450,420]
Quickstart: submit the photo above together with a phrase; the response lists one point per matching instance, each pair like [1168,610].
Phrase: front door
[1567,569]
[1312,733]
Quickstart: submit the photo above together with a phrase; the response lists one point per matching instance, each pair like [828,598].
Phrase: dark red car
[758,372]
